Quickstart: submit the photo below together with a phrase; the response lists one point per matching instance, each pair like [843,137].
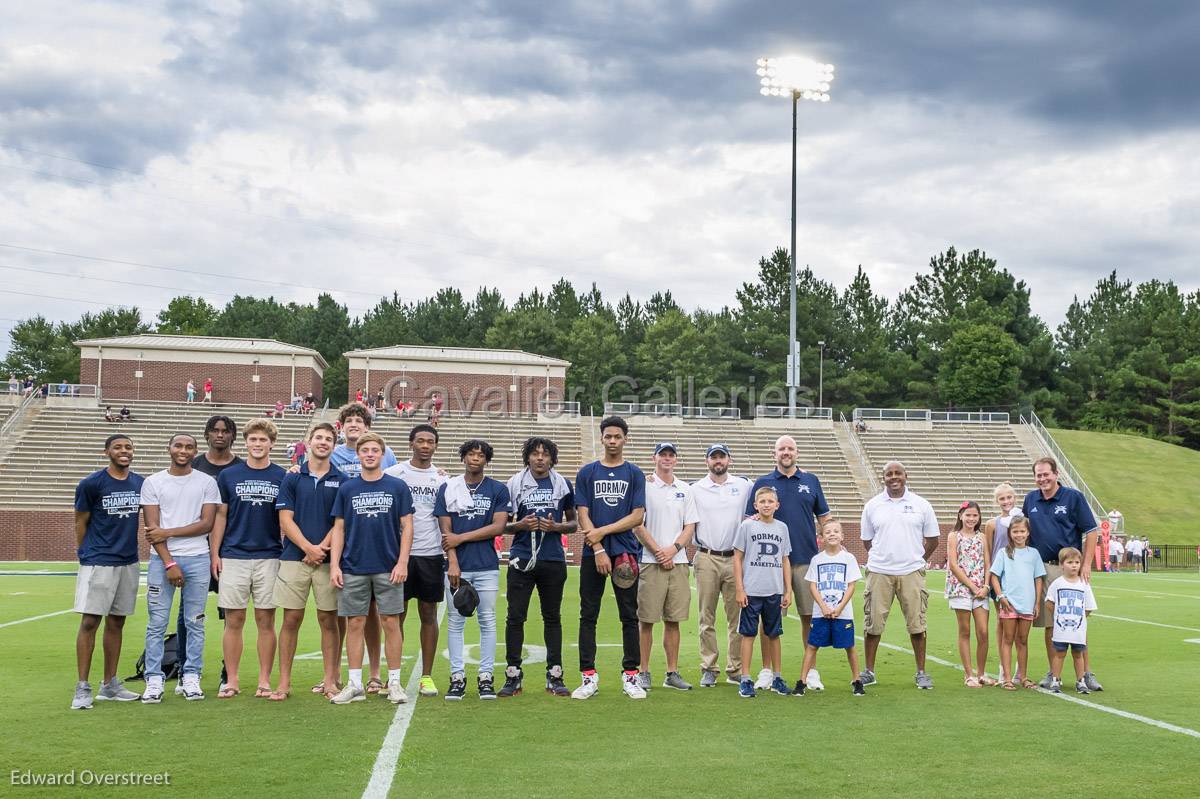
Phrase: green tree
[980,367]
[187,316]
[594,350]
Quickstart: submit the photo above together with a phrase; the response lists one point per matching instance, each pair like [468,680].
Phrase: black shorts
[426,578]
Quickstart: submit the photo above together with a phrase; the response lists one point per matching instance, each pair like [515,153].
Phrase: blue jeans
[159,595]
[487,585]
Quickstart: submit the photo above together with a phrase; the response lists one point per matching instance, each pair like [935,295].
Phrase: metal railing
[1064,464]
[861,454]
[782,412]
[558,408]
[1173,556]
[892,414]
[980,417]
[19,411]
[667,409]
[71,390]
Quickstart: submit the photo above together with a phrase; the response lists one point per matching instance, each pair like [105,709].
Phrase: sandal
[971,682]
[319,688]
[279,696]
[1008,685]
[334,691]
[1028,683]
[986,680]
[262,692]
[227,693]
[374,685]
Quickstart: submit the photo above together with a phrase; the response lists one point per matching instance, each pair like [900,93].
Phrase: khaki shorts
[664,594]
[106,590]
[242,579]
[296,579]
[802,590]
[883,589]
[1044,618]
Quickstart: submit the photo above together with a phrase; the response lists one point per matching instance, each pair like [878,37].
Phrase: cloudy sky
[286,148]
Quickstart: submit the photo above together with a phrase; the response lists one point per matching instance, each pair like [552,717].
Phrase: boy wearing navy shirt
[106,528]
[543,507]
[472,510]
[245,549]
[371,541]
[305,505]
[610,500]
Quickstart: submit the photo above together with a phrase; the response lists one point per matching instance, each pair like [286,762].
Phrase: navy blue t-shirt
[490,497]
[610,493]
[540,502]
[251,522]
[801,500]
[112,529]
[1061,521]
[372,510]
[310,499]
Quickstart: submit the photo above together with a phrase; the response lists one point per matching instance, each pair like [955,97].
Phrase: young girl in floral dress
[967,590]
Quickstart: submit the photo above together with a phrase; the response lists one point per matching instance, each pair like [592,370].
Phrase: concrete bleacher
[951,462]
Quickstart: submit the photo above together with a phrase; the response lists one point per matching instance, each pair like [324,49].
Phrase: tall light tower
[803,79]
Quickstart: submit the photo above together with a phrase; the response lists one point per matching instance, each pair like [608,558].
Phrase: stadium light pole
[821,379]
[803,79]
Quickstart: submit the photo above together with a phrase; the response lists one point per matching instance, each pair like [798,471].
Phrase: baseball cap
[665,445]
[625,571]
[715,448]
[465,598]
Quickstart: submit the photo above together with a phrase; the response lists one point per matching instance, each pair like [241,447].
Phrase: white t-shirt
[423,483]
[1072,601]
[1115,550]
[718,508]
[1134,549]
[833,575]
[180,499]
[897,529]
[667,511]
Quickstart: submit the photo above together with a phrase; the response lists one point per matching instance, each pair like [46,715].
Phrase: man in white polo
[719,499]
[900,532]
[664,591]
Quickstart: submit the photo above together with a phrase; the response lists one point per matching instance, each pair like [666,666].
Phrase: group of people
[1134,551]
[363,533]
[190,391]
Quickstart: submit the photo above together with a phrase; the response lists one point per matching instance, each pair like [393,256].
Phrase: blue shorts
[1060,646]
[766,608]
[837,633]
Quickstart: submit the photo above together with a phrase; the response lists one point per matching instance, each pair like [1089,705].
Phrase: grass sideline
[1153,483]
[895,741]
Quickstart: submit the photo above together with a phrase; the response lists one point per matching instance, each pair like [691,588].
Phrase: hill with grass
[1156,485]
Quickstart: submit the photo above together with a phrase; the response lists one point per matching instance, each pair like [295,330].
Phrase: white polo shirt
[667,511]
[897,529]
[719,509]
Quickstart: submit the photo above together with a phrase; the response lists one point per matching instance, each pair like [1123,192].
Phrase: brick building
[505,382]
[158,367]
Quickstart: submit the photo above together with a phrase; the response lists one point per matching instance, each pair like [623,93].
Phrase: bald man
[802,507]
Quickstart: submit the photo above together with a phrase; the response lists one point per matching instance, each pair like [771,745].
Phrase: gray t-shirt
[764,547]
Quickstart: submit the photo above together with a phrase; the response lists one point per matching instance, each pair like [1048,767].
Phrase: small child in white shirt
[831,575]
[1071,601]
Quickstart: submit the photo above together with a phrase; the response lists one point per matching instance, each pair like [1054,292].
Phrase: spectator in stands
[208,390]
[380,401]
[719,499]
[358,395]
[109,416]
[126,416]
[900,531]
[27,388]
[296,403]
[13,385]
[664,590]
[64,388]
[106,531]
[300,449]
[191,392]
[543,510]
[802,506]
[278,411]
[1059,517]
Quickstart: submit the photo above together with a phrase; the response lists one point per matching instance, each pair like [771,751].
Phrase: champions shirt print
[112,529]
[489,497]
[251,523]
[371,512]
[610,493]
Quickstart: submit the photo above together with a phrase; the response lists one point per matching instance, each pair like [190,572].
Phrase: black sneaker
[554,682]
[512,682]
[486,691]
[457,689]
[799,689]
[857,688]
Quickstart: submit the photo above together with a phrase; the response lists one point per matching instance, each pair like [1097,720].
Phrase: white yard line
[389,753]
[1151,623]
[36,618]
[1162,725]
[1143,591]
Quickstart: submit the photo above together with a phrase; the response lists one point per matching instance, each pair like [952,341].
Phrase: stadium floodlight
[801,79]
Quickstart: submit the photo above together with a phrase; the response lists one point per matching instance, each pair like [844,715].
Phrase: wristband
[170,565]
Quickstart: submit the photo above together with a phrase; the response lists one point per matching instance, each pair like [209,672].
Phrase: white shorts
[106,590]
[243,579]
[967,603]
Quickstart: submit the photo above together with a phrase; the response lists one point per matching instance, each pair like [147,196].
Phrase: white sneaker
[154,690]
[587,688]
[765,678]
[351,693]
[191,687]
[630,686]
[812,681]
[396,694]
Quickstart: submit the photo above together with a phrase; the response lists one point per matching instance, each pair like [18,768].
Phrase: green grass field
[896,741]
[1153,483]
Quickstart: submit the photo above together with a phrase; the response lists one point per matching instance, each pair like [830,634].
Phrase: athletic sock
[356,678]
[393,676]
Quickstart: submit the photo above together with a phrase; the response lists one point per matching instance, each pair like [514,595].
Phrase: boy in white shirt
[1070,601]
[831,576]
